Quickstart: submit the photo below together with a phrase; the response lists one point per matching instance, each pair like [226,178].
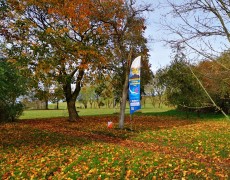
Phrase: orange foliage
[213,76]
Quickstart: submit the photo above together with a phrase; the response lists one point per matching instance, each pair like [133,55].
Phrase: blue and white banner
[134,85]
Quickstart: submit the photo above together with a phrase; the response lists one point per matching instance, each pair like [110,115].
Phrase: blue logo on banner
[134,86]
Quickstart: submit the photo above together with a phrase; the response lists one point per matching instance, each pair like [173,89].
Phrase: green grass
[34,114]
[62,112]
[190,115]
[145,110]
[195,137]
[159,148]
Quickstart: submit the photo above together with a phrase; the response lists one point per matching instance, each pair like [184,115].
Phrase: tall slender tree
[127,26]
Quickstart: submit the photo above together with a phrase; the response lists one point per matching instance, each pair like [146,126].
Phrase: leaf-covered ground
[156,148]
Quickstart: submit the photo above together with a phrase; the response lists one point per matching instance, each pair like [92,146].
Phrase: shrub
[10,112]
[12,86]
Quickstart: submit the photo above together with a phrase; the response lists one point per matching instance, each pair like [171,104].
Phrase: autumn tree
[68,39]
[56,94]
[99,93]
[215,79]
[87,95]
[62,39]
[107,96]
[126,25]
[3,10]
[43,94]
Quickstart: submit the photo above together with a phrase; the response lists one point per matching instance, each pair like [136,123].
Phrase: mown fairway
[157,148]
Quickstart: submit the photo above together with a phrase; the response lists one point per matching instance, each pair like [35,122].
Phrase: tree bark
[91,104]
[159,105]
[71,97]
[125,91]
[123,101]
[57,105]
[73,115]
[46,105]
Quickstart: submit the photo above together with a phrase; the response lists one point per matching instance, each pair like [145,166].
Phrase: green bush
[10,112]
[12,86]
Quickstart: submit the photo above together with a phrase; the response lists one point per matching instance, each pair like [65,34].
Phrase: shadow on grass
[57,132]
[186,115]
[21,137]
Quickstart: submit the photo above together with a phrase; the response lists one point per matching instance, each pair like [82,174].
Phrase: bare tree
[202,25]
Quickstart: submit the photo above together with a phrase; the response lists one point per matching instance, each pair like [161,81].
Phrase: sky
[159,51]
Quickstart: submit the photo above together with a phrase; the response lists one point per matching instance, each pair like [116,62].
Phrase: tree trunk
[73,115]
[72,96]
[125,91]
[144,101]
[91,105]
[123,101]
[114,103]
[57,105]
[160,100]
[46,105]
[152,99]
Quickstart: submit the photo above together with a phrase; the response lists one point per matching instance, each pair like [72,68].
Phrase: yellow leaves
[43,160]
[185,173]
[12,61]
[49,30]
[46,149]
[92,171]
[196,171]
[50,10]
[86,168]
[221,175]
[99,30]
[209,170]
[84,66]
[63,30]
[128,174]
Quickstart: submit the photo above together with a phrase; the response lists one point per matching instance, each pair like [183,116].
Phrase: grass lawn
[158,147]
[148,109]
[62,112]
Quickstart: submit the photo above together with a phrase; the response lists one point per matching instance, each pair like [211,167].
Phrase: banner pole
[131,122]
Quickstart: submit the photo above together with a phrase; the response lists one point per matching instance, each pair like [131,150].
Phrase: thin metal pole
[131,122]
